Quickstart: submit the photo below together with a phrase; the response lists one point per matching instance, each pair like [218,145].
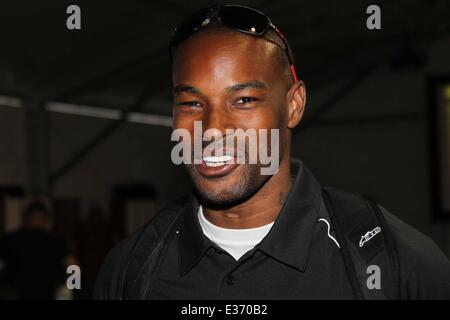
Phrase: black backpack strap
[143,282]
[146,255]
[365,240]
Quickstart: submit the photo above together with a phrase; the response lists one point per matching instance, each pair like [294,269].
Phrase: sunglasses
[236,17]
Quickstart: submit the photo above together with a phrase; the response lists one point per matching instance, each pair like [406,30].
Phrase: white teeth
[214,164]
[218,159]
[213,161]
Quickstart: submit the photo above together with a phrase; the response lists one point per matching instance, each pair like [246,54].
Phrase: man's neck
[260,209]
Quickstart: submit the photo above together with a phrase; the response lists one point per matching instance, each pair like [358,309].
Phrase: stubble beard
[247,180]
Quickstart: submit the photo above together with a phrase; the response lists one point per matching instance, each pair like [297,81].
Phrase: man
[34,258]
[247,235]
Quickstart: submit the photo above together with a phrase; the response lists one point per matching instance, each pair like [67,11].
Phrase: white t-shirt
[234,241]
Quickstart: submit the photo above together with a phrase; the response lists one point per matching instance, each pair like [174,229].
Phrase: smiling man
[246,235]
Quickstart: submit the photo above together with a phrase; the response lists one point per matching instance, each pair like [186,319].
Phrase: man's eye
[193,104]
[245,100]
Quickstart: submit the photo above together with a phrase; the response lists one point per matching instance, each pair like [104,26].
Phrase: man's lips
[211,169]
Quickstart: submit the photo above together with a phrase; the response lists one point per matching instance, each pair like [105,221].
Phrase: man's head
[232,80]
[35,216]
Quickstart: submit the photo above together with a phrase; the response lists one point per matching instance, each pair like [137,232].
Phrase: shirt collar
[192,242]
[288,241]
[290,238]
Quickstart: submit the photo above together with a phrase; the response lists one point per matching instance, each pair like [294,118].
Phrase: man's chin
[219,199]
[228,191]
[220,191]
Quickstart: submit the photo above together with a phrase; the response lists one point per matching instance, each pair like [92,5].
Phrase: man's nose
[215,121]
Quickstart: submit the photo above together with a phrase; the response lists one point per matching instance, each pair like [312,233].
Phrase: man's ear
[296,101]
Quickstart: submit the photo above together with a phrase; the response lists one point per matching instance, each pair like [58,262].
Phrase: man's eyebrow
[185,88]
[254,84]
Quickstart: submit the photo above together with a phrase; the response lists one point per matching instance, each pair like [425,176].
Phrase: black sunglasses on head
[236,17]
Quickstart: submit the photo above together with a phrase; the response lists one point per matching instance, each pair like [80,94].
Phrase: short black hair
[282,60]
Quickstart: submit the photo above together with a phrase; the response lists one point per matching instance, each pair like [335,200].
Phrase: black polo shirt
[298,259]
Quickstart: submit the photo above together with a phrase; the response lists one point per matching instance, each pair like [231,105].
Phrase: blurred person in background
[33,257]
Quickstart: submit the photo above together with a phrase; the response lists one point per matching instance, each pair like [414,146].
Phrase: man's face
[229,81]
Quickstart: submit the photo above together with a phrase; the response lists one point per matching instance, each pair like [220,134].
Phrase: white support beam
[95,112]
